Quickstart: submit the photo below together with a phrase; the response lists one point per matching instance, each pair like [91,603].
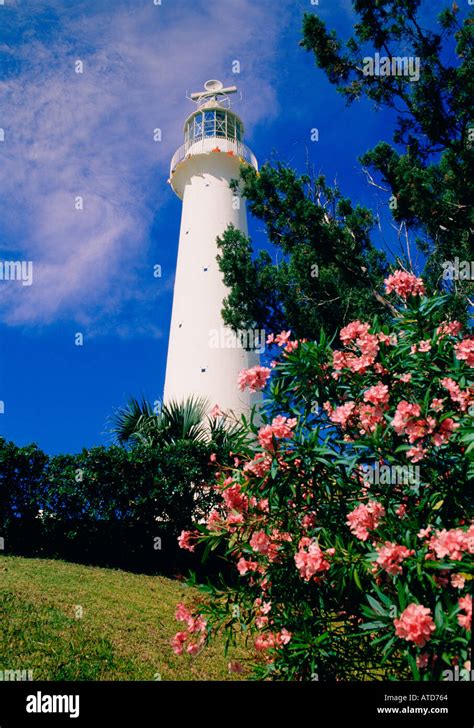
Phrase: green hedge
[107,505]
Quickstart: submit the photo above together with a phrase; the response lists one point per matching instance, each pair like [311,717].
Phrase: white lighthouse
[204,357]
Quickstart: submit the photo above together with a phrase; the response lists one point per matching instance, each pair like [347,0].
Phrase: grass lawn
[123,634]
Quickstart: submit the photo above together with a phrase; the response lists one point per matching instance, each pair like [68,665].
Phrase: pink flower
[352,331]
[193,648]
[261,622]
[390,340]
[178,641]
[455,392]
[214,521]
[260,465]
[380,369]
[370,417]
[449,329]
[416,453]
[265,437]
[405,378]
[182,614]
[264,641]
[378,394]
[291,346]
[415,624]
[244,566]
[185,540]
[457,581]
[234,519]
[404,413]
[365,518]
[464,351]
[234,499]
[404,284]
[425,345]
[445,431]
[452,543]
[254,378]
[284,637]
[391,555]
[422,660]
[465,604]
[260,542]
[282,338]
[342,414]
[424,532]
[437,404]
[401,510]
[310,559]
[404,421]
[263,505]
[196,624]
[308,521]
[216,412]
[358,364]
[282,426]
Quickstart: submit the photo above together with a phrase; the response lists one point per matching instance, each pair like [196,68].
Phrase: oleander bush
[347,523]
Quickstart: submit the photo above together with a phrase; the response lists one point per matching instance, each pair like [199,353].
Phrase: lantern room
[212,121]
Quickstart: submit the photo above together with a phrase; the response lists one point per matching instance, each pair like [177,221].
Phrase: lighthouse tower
[204,356]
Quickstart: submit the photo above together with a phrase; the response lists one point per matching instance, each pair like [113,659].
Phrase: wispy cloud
[90,135]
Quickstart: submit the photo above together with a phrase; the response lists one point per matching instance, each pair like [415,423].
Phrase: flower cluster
[194,636]
[391,555]
[280,427]
[187,540]
[283,340]
[464,351]
[457,395]
[415,625]
[452,544]
[465,605]
[409,423]
[309,558]
[365,518]
[254,378]
[363,348]
[404,284]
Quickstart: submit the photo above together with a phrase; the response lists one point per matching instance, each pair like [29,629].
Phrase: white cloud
[90,134]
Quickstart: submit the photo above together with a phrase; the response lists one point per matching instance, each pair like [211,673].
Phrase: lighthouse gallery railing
[209,144]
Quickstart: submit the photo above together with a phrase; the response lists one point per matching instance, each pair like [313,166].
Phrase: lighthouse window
[220,124]
[231,127]
[197,126]
[209,123]
[239,131]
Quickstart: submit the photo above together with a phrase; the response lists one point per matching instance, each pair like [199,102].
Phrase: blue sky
[90,134]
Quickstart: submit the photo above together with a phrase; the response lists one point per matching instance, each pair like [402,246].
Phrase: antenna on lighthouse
[212,89]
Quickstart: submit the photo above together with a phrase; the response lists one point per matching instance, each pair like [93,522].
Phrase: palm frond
[184,420]
[129,421]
